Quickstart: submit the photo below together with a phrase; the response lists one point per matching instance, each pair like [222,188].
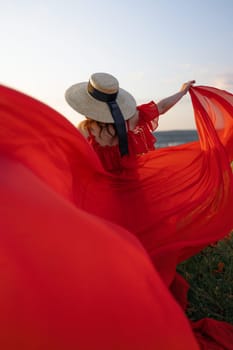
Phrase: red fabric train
[175,200]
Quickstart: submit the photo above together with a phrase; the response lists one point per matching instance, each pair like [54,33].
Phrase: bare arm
[165,104]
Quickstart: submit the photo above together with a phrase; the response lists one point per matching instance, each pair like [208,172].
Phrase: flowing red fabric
[175,200]
[70,281]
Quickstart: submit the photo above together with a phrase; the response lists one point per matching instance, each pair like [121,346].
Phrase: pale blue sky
[151,46]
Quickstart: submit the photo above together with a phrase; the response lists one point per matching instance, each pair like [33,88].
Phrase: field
[210,274]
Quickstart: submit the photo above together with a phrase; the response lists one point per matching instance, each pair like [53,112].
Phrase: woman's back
[104,140]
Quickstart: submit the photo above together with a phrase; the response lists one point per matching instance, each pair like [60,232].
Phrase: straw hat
[91,98]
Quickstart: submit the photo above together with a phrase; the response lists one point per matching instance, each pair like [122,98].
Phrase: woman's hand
[186,86]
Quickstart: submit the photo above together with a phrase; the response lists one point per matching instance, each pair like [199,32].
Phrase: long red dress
[71,281]
[175,200]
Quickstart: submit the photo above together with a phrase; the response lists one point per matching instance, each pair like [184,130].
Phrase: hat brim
[80,100]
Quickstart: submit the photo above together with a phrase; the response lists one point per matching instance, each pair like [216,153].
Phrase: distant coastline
[175,137]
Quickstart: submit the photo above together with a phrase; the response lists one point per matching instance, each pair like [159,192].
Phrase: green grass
[210,275]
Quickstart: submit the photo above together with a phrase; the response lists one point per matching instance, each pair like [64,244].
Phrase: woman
[175,200]
[115,127]
[166,197]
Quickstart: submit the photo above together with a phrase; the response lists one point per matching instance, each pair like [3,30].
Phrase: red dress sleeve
[149,113]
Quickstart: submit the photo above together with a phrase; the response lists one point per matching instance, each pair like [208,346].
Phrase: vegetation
[210,275]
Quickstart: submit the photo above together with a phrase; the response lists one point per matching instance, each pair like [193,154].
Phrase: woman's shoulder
[148,111]
[83,128]
[148,115]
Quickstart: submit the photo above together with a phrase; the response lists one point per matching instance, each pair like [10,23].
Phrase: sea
[174,137]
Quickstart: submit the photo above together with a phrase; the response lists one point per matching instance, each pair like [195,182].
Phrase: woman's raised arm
[165,104]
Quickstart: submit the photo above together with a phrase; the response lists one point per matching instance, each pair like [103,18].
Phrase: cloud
[224,81]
